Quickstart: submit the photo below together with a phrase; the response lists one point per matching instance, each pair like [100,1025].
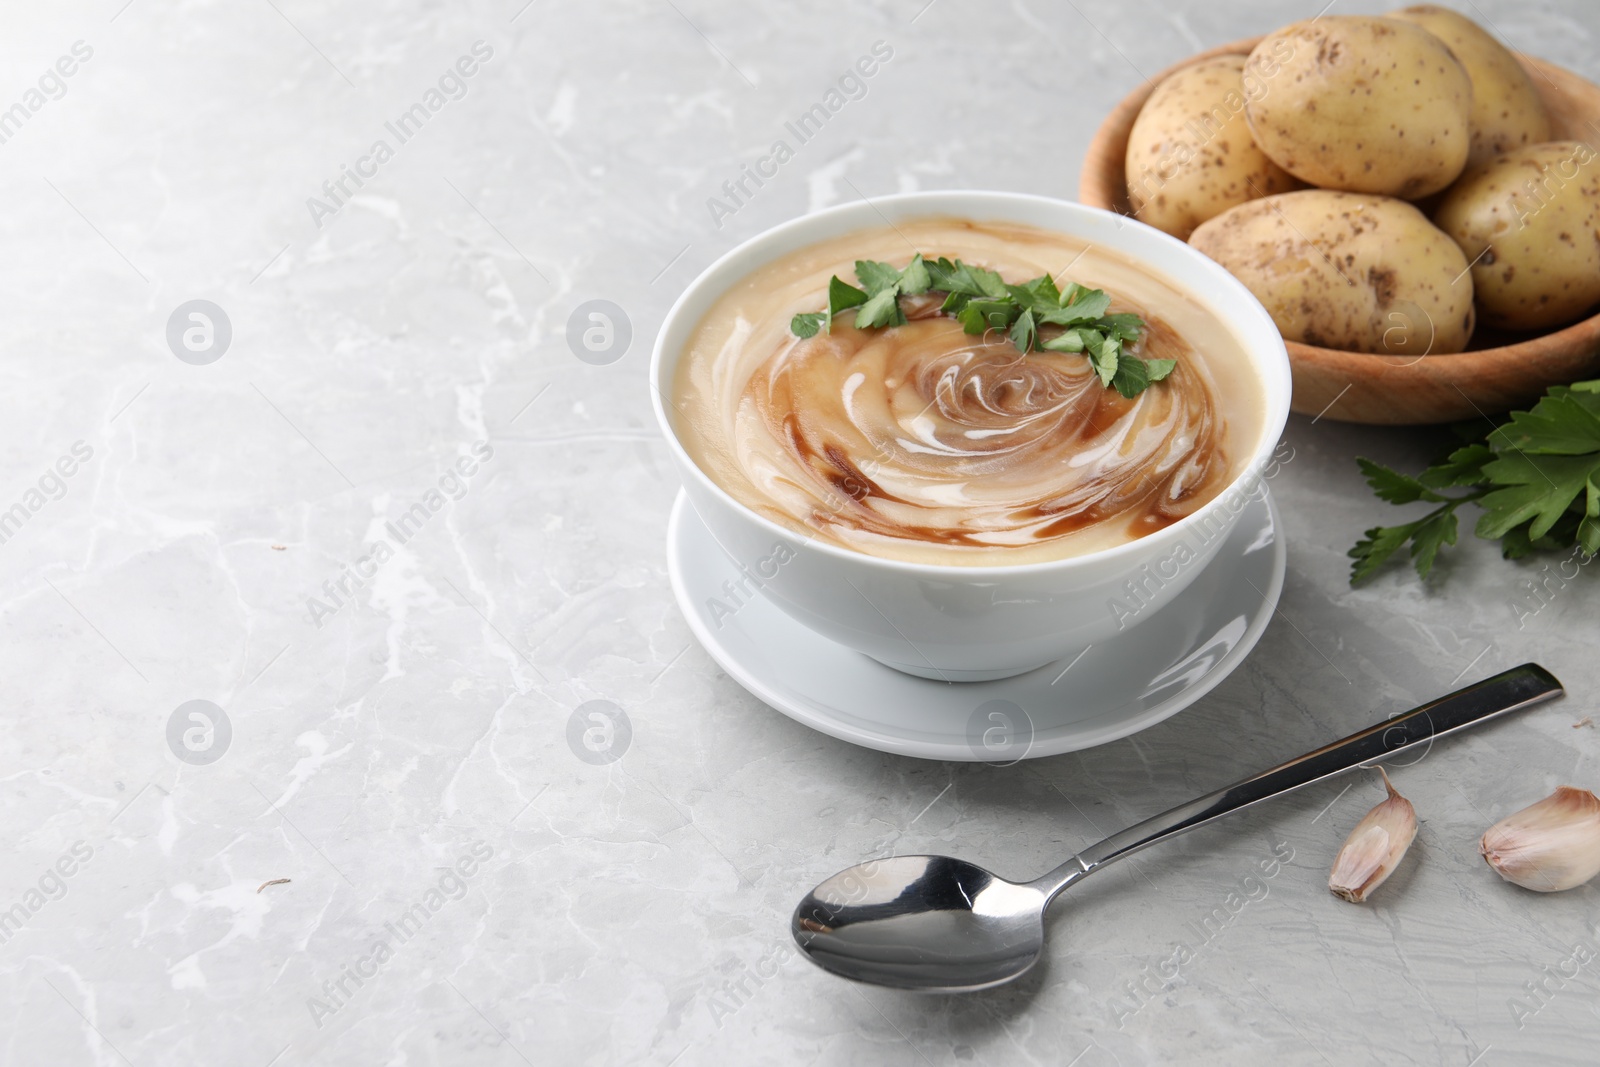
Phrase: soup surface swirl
[924,443]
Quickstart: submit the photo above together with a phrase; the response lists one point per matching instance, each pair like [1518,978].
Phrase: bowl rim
[1257,335]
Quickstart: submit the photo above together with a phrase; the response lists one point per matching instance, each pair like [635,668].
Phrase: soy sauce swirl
[924,433]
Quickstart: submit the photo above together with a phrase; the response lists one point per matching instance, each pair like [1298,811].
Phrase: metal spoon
[938,924]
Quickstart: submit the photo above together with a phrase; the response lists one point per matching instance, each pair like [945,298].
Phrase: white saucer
[1110,690]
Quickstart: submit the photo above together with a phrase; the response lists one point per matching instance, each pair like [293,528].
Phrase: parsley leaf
[1104,355]
[1463,467]
[1393,486]
[1039,296]
[1562,423]
[915,279]
[884,285]
[963,279]
[1373,550]
[1516,544]
[876,277]
[1068,341]
[883,309]
[843,296]
[1427,535]
[1546,463]
[1124,326]
[980,316]
[1132,377]
[1024,332]
[1078,304]
[1540,488]
[1588,532]
[806,324]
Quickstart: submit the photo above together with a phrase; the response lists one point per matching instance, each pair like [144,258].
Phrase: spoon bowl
[936,924]
[930,923]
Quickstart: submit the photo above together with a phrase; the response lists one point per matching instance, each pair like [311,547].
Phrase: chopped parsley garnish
[980,300]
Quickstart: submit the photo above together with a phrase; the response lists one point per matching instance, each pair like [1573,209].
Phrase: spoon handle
[1519,687]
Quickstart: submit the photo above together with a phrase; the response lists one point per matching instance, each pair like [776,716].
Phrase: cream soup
[923,443]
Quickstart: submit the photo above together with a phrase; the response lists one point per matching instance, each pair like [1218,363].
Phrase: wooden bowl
[1499,371]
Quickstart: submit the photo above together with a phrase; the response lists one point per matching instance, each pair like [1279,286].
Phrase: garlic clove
[1548,846]
[1375,847]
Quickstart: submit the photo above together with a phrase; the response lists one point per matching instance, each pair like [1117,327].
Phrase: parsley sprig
[981,301]
[1537,478]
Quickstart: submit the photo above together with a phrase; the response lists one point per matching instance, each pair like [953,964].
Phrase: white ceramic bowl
[958,623]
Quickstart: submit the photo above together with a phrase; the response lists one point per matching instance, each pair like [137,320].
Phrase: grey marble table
[383,847]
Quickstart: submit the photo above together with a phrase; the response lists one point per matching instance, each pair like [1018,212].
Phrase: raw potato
[1507,110]
[1529,221]
[1190,154]
[1370,105]
[1347,270]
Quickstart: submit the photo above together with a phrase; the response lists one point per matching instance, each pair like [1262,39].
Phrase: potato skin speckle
[1363,104]
[1351,271]
[1190,153]
[1529,221]
[1507,110]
